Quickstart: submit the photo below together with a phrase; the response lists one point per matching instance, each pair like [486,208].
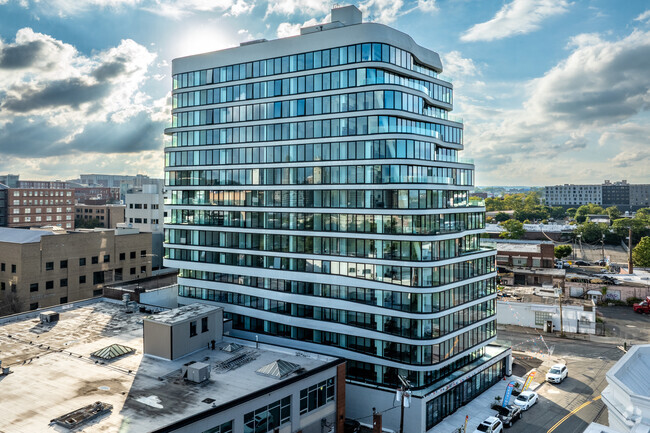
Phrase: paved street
[587,362]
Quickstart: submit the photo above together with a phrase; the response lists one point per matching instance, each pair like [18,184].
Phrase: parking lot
[567,407]
[587,362]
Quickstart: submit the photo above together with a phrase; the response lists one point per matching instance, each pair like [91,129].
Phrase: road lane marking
[573,412]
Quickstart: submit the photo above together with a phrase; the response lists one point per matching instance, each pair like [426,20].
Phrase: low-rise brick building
[528,263]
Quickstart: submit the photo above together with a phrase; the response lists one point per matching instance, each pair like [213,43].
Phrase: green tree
[643,213]
[641,253]
[501,217]
[81,223]
[572,212]
[533,212]
[514,230]
[639,225]
[493,204]
[591,232]
[613,213]
[558,212]
[588,209]
[562,251]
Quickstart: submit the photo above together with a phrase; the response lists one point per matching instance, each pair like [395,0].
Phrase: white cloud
[455,65]
[427,5]
[590,110]
[382,11]
[304,7]
[169,8]
[176,10]
[57,101]
[72,7]
[645,16]
[601,82]
[288,29]
[517,17]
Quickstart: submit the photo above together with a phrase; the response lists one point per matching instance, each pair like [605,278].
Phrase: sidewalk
[479,408]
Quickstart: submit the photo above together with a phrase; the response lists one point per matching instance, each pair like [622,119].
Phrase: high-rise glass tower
[318,195]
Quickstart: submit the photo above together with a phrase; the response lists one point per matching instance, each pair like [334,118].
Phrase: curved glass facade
[319,197]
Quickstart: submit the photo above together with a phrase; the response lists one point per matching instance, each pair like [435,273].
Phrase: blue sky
[551,91]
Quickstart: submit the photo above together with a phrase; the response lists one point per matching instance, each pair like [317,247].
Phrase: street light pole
[406,385]
[561,317]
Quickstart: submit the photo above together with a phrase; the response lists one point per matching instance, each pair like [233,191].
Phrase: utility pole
[630,266]
[561,317]
[602,244]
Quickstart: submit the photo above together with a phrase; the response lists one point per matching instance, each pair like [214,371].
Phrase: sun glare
[203,39]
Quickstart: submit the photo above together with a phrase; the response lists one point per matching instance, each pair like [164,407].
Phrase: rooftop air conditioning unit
[49,317]
[198,372]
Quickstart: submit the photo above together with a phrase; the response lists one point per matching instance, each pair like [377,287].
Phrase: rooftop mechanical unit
[75,418]
[49,317]
[198,372]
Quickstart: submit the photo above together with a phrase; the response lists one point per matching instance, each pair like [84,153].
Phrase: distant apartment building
[640,195]
[144,211]
[621,194]
[573,195]
[616,194]
[96,194]
[82,193]
[37,207]
[124,183]
[42,184]
[107,215]
[3,204]
[10,180]
[113,180]
[41,268]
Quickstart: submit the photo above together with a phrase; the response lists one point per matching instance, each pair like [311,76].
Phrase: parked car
[508,414]
[557,373]
[526,399]
[581,263]
[642,307]
[600,262]
[491,424]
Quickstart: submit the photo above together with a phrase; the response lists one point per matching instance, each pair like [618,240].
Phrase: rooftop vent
[278,369]
[75,418]
[113,351]
[232,347]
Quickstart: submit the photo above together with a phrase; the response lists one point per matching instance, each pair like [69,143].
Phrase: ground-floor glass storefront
[447,403]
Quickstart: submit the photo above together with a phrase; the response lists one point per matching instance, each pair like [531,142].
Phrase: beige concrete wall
[184,344]
[31,261]
[109,215]
[157,339]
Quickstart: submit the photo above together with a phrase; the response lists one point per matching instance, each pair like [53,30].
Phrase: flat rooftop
[22,236]
[517,248]
[53,372]
[182,314]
